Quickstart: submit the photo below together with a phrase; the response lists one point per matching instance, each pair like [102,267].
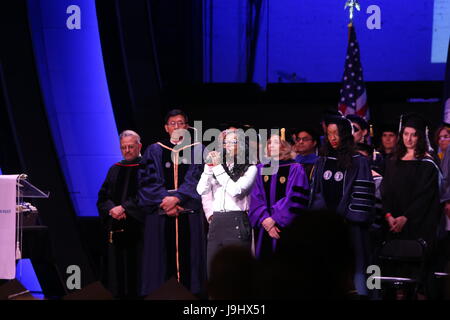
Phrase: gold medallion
[282,180]
[266,178]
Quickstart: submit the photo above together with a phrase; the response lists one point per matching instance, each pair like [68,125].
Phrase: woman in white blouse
[225,187]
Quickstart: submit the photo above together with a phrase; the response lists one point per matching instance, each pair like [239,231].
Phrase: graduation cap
[331,112]
[342,121]
[363,124]
[413,120]
[416,121]
[235,124]
[387,127]
[379,129]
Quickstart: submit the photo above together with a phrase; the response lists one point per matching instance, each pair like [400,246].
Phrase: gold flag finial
[352,4]
[283,134]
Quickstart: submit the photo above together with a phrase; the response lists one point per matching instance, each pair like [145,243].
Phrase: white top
[221,193]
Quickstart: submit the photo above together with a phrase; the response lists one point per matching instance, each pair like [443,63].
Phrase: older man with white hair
[122,220]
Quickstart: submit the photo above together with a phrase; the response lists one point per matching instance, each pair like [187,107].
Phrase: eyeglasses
[231,142]
[128,147]
[304,139]
[174,123]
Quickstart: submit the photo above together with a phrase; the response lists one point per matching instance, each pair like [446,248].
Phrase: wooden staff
[175,182]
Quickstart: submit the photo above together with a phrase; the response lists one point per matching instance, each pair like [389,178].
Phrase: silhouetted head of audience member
[364,149]
[314,259]
[231,274]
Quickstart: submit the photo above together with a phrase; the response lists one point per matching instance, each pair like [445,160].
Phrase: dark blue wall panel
[305,41]
[75,92]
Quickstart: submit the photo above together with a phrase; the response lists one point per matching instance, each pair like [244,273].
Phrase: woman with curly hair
[343,183]
[225,187]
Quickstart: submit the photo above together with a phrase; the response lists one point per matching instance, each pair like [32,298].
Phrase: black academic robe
[411,189]
[350,193]
[123,249]
[159,178]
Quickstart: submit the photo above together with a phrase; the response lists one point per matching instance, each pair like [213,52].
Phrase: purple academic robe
[281,196]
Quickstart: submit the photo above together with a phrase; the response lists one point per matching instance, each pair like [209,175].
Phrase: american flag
[353,92]
[447,89]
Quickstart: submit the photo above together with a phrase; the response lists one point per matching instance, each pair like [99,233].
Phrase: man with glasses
[306,145]
[174,244]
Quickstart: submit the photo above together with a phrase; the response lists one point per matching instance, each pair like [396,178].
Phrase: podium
[27,190]
[24,209]
[20,235]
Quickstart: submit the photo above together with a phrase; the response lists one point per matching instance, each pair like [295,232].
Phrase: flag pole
[351,5]
[353,98]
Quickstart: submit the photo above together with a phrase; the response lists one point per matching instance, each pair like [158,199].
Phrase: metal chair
[402,265]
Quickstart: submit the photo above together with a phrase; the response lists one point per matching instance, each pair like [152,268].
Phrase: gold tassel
[283,134]
[18,251]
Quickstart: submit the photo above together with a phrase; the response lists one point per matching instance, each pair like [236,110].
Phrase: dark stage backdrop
[156,52]
[27,143]
[293,105]
[292,41]
[150,48]
[153,57]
